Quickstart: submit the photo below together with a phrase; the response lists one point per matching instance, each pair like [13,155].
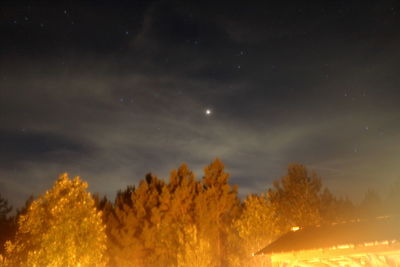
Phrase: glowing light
[208,112]
[345,246]
[295,228]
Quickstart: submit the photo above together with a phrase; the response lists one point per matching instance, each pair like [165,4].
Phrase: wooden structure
[374,242]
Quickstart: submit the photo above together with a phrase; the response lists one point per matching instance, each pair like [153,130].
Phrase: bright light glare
[295,228]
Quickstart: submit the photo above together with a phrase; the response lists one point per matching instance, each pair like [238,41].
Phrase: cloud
[136,103]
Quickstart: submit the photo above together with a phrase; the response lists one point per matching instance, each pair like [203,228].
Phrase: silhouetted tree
[6,223]
[335,209]
[5,208]
[391,205]
[9,229]
[371,205]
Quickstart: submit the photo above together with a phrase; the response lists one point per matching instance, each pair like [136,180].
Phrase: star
[208,112]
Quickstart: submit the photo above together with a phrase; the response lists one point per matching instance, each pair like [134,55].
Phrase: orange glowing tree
[254,228]
[61,228]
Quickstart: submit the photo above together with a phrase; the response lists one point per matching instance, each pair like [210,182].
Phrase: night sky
[111,93]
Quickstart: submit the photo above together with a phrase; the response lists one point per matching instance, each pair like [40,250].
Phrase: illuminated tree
[176,216]
[193,250]
[296,199]
[255,228]
[166,224]
[147,222]
[133,224]
[217,206]
[60,228]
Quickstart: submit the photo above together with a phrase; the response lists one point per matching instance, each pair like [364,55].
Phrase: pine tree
[217,206]
[336,209]
[60,228]
[371,205]
[296,199]
[148,222]
[133,239]
[391,204]
[177,212]
[159,224]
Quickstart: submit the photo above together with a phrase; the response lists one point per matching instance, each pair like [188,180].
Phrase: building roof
[354,232]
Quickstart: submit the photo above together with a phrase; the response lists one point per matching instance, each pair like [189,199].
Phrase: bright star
[208,112]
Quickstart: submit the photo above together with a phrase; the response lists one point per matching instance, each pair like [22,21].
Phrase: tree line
[180,222]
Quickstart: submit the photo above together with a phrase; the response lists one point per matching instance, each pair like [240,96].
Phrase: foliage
[254,228]
[194,250]
[217,206]
[181,222]
[5,208]
[60,228]
[371,205]
[132,240]
[336,209]
[299,199]
[392,201]
[6,223]
[149,224]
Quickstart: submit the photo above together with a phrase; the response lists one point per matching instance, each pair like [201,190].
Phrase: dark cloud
[20,146]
